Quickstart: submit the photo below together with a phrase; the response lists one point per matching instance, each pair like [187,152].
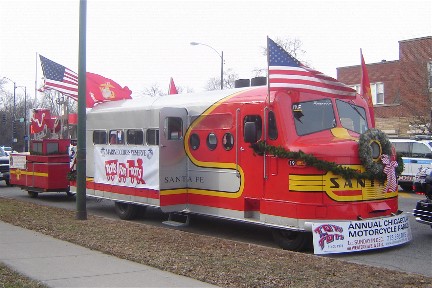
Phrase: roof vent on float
[259,81]
[240,83]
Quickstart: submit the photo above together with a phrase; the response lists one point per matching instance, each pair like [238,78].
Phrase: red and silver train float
[301,163]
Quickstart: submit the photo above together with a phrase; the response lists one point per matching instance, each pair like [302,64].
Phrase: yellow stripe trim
[19,172]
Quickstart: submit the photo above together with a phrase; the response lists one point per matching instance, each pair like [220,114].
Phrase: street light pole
[219,54]
[13,115]
[25,118]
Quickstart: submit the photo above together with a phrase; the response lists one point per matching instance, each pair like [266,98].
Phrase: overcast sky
[139,43]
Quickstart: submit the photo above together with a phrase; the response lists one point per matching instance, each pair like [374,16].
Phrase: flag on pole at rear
[365,89]
[285,71]
[59,78]
[172,88]
[101,89]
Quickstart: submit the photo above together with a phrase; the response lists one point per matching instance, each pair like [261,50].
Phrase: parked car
[423,183]
[4,166]
[7,149]
[416,153]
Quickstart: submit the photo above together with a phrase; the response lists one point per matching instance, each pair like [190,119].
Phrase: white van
[416,153]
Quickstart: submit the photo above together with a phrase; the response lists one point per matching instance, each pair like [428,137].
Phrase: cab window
[99,137]
[152,136]
[174,128]
[135,137]
[256,119]
[116,137]
[272,128]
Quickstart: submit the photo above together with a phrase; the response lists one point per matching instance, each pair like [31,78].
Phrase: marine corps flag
[101,89]
[365,89]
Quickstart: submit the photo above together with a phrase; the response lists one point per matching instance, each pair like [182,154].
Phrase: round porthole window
[211,141]
[194,141]
[228,141]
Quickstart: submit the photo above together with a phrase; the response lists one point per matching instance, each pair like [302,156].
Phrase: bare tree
[229,79]
[421,124]
[153,91]
[292,45]
[182,89]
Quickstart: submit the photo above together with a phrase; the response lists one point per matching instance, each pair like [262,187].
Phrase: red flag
[365,90]
[172,88]
[101,89]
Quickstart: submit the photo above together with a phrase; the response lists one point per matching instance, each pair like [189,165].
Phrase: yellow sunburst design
[335,186]
[342,133]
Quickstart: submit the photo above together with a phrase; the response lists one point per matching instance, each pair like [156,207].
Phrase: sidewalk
[58,263]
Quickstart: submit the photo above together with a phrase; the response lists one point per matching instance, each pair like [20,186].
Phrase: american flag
[59,78]
[287,72]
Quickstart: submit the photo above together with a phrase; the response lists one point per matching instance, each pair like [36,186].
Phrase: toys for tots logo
[132,170]
[328,233]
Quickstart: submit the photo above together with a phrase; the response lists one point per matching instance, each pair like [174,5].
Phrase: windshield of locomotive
[352,117]
[313,116]
[318,115]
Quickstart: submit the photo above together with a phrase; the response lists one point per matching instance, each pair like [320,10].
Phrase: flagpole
[34,101]
[268,74]
[36,70]
[81,211]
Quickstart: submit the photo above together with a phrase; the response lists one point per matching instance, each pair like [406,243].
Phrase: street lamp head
[9,80]
[194,43]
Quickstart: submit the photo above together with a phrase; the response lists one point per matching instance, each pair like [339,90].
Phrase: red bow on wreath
[390,170]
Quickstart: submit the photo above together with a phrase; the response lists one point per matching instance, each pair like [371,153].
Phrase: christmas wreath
[373,139]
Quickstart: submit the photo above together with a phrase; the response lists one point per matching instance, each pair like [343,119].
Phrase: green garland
[72,175]
[261,147]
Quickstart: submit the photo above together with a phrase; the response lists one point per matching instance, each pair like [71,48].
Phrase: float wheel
[32,194]
[126,211]
[406,187]
[292,240]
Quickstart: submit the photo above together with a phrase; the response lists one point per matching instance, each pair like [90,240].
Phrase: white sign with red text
[342,237]
[131,166]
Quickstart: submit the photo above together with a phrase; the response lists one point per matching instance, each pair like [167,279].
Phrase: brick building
[401,89]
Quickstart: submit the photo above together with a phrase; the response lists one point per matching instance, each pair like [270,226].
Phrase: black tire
[32,194]
[428,191]
[406,187]
[292,240]
[8,183]
[126,211]
[70,194]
